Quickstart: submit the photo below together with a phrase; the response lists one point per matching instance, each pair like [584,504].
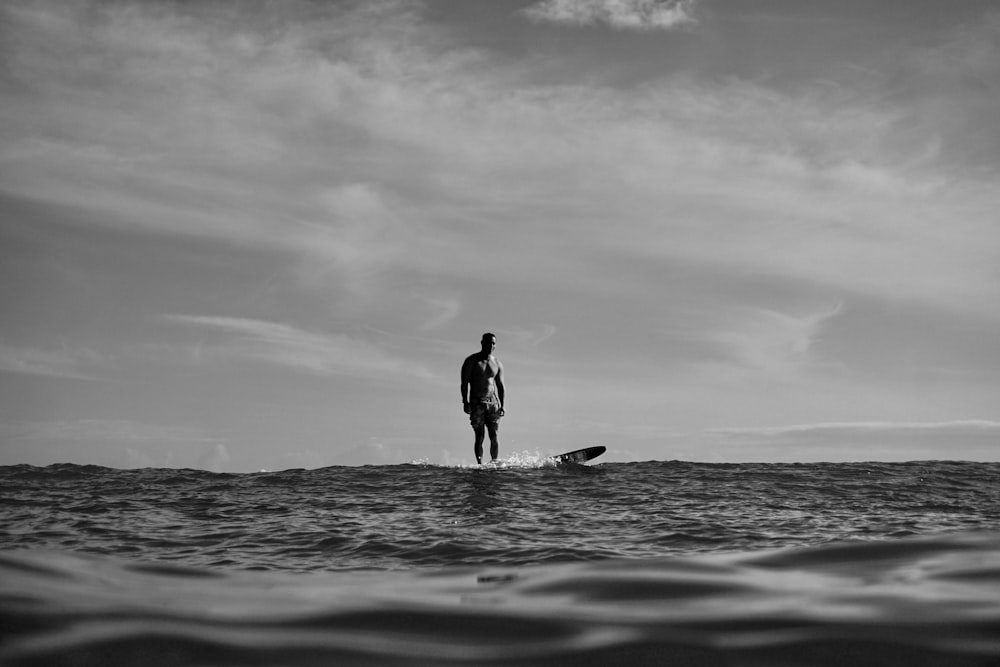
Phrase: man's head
[489,343]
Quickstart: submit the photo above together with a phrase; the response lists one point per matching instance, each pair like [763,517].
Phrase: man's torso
[481,373]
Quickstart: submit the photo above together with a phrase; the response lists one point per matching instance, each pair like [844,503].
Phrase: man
[482,395]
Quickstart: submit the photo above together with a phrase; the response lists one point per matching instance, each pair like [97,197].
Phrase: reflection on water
[483,496]
[929,602]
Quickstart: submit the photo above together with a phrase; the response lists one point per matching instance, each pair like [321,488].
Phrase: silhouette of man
[483,394]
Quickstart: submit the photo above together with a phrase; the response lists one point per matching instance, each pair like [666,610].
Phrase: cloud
[365,146]
[85,431]
[116,443]
[528,337]
[62,363]
[952,95]
[772,341]
[351,230]
[971,426]
[970,440]
[216,460]
[882,440]
[213,123]
[442,311]
[363,141]
[621,14]
[295,349]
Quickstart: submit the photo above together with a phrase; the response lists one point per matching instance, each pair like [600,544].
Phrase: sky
[253,235]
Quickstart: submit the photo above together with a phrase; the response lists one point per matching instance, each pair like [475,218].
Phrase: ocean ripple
[924,602]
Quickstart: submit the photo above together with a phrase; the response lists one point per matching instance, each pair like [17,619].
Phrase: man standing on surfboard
[482,395]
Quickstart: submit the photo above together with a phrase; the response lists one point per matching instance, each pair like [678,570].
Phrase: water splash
[523,460]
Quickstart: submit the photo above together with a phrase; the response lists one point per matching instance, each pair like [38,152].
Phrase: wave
[534,512]
[915,602]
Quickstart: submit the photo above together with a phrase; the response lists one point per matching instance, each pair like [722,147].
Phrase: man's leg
[494,442]
[480,436]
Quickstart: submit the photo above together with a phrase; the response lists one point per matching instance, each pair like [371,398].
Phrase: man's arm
[465,385]
[499,382]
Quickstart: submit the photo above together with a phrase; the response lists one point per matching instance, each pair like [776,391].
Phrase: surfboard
[581,455]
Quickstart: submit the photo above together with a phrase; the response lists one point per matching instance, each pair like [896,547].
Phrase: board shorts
[486,411]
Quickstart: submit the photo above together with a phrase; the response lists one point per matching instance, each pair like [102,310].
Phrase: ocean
[525,563]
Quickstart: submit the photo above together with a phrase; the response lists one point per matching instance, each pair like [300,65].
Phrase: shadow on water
[484,496]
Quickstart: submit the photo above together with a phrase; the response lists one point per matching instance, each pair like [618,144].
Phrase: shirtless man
[482,395]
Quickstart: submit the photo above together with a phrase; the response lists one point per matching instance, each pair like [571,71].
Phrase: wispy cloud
[294,349]
[963,66]
[364,141]
[855,441]
[442,310]
[396,175]
[85,431]
[116,443]
[972,426]
[775,342]
[61,363]
[623,14]
[529,337]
